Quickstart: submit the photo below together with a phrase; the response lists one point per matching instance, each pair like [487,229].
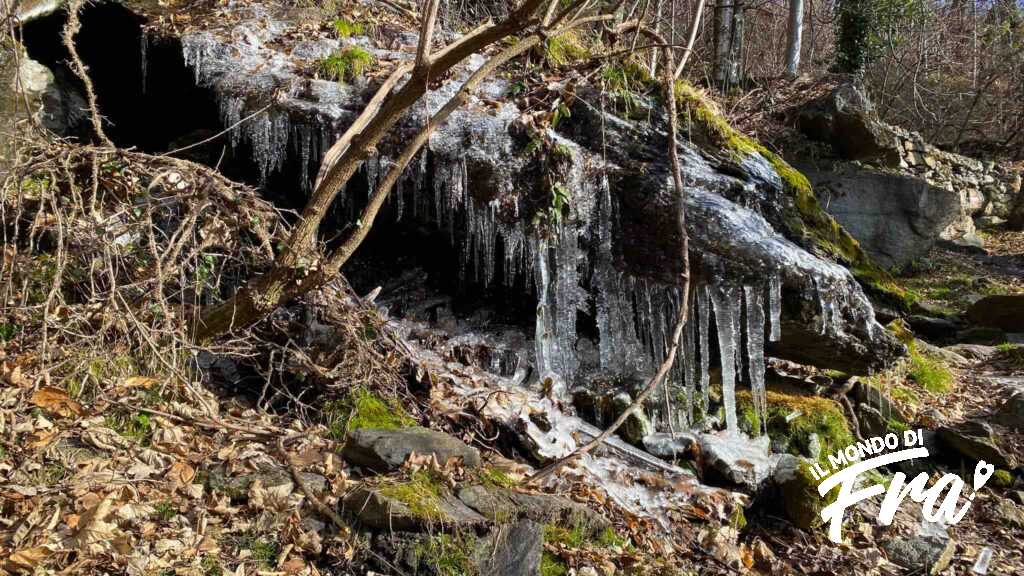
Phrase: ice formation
[572,267]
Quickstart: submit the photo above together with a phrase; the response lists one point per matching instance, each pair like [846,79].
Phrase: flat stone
[387,450]
[380,512]
[738,458]
[502,505]
[929,551]
[973,351]
[1005,312]
[975,441]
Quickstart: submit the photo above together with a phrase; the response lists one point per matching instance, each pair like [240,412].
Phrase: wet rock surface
[1005,312]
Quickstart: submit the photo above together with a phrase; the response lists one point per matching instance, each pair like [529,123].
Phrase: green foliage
[930,372]
[346,64]
[8,331]
[166,510]
[626,81]
[360,408]
[1002,479]
[551,565]
[564,49]
[448,554]
[421,493]
[865,27]
[137,427]
[264,552]
[211,566]
[346,28]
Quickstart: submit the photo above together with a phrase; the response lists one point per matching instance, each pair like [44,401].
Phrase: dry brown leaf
[43,439]
[138,382]
[26,560]
[181,474]
[56,401]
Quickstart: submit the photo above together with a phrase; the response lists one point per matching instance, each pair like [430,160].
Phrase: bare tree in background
[795,37]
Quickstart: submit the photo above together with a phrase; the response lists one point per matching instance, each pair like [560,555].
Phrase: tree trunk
[796,31]
[728,71]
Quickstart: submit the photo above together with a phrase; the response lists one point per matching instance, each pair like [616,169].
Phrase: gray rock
[846,119]
[1011,413]
[973,351]
[896,218]
[1007,513]
[798,491]
[387,450]
[502,505]
[513,550]
[947,356]
[929,327]
[1005,312]
[671,446]
[738,458]
[380,512]
[975,441]
[927,554]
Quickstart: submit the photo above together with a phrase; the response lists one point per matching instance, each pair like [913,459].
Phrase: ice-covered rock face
[614,256]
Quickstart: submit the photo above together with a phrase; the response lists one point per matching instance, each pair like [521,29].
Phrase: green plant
[264,552]
[166,510]
[492,477]
[448,554]
[211,566]
[931,373]
[794,419]
[346,64]
[1013,354]
[551,565]
[346,28]
[7,331]
[136,427]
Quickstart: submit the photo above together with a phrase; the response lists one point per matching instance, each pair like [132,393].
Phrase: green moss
[346,64]
[448,554]
[816,415]
[1002,479]
[494,478]
[905,395]
[421,493]
[362,409]
[137,427]
[551,565]
[565,49]
[346,28]
[263,551]
[573,537]
[211,566]
[805,216]
[803,504]
[609,538]
[166,510]
[738,520]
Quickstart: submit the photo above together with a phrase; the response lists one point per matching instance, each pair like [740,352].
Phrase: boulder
[1011,413]
[511,550]
[798,492]
[975,440]
[896,218]
[846,119]
[387,450]
[1005,312]
[1006,513]
[934,328]
[922,554]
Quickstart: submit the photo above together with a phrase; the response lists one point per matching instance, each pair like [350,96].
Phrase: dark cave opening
[150,101]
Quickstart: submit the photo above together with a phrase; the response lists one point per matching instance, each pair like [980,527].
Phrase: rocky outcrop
[897,218]
[846,121]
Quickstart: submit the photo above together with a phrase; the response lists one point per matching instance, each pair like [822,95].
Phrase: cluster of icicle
[634,316]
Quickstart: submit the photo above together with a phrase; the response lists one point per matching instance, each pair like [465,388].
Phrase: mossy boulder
[503,505]
[798,492]
[797,422]
[417,503]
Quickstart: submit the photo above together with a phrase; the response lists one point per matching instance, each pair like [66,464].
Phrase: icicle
[775,307]
[704,321]
[755,350]
[726,299]
[689,356]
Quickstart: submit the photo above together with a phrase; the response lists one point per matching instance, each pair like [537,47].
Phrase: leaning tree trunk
[796,31]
